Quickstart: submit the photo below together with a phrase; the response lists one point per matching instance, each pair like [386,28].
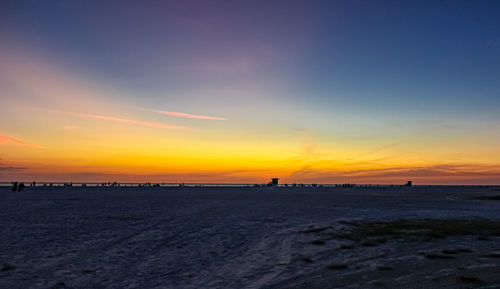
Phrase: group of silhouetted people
[110,184]
[17,187]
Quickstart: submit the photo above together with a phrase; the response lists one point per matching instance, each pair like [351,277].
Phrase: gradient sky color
[241,91]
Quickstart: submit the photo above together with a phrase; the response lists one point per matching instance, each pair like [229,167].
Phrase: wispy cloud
[127,121]
[232,176]
[9,169]
[179,114]
[189,115]
[432,174]
[5,139]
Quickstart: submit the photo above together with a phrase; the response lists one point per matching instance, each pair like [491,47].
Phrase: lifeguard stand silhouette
[273,182]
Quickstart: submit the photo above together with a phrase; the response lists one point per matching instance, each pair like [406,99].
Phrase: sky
[374,92]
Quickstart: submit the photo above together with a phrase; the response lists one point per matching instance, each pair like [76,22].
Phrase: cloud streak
[432,174]
[230,176]
[179,114]
[127,121]
[4,139]
[9,169]
[189,115]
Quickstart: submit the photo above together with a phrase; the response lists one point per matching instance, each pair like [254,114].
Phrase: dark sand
[223,237]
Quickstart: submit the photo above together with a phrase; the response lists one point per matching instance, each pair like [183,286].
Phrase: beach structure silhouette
[273,182]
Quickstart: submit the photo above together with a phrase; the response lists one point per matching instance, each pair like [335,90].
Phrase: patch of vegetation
[385,268]
[316,230]
[346,246]
[449,251]
[369,243]
[337,266]
[7,267]
[495,254]
[468,279]
[59,285]
[421,229]
[318,242]
[377,283]
[483,238]
[306,259]
[438,256]
[126,218]
[489,198]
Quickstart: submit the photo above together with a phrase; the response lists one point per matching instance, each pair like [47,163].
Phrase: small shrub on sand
[369,243]
[306,259]
[489,198]
[59,285]
[346,246]
[377,283]
[495,254]
[421,229]
[316,229]
[318,242]
[438,256]
[8,267]
[337,266]
[483,238]
[468,279]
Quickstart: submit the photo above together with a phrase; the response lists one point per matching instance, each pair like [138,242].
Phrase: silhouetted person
[14,186]
[20,187]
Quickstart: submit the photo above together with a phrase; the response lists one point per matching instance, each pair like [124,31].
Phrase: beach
[250,237]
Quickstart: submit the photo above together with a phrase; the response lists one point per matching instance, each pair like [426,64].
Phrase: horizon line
[3,183]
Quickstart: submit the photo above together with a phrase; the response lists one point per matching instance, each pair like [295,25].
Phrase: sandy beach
[245,237]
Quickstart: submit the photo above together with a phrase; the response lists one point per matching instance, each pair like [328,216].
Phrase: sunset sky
[242,91]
